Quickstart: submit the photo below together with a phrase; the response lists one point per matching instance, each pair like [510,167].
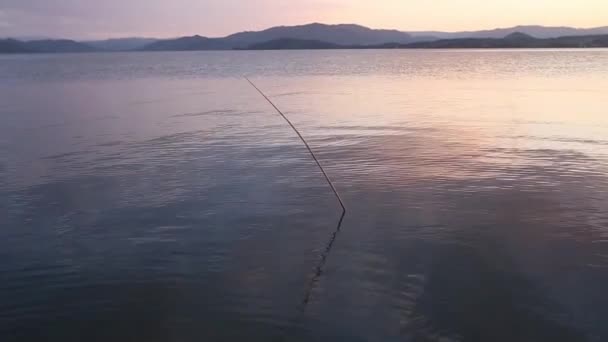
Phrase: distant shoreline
[312,49]
[515,40]
[318,36]
[512,41]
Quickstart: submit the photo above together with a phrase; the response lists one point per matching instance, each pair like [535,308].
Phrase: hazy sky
[170,18]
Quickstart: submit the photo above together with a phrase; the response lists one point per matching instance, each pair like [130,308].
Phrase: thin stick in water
[314,157]
[319,268]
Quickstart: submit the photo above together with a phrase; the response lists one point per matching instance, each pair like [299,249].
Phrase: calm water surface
[157,197]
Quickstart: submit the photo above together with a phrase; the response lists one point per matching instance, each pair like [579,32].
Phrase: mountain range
[513,40]
[532,30]
[121,44]
[304,36]
[44,46]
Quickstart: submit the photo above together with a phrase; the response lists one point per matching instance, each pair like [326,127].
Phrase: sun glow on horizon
[462,15]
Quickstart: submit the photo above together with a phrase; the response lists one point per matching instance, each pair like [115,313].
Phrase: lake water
[158,197]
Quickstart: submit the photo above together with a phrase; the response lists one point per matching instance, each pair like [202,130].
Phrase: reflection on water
[175,205]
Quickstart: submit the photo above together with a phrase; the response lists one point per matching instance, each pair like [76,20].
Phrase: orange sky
[457,15]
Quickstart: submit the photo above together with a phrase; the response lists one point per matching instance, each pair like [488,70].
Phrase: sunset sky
[170,18]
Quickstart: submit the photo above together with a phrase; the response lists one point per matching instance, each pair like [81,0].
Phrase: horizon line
[44,37]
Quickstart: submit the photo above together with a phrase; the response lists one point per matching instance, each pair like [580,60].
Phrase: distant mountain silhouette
[58,46]
[356,36]
[519,36]
[121,44]
[345,34]
[318,35]
[293,44]
[333,34]
[514,40]
[43,46]
[13,46]
[193,43]
[532,30]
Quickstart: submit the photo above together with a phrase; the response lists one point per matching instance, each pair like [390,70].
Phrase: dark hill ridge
[343,35]
[13,46]
[319,36]
[194,43]
[121,44]
[515,40]
[532,30]
[294,44]
[346,34]
[518,36]
[43,46]
[58,46]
